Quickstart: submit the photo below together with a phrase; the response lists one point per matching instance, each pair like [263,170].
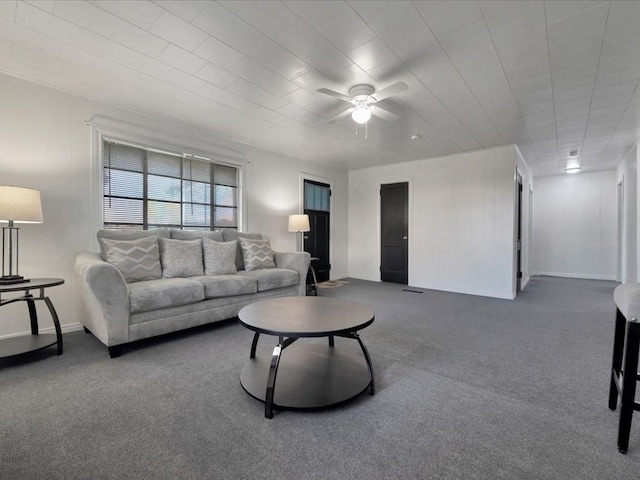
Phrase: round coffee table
[309,376]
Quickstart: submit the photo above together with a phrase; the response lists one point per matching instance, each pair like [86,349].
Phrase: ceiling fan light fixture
[361,114]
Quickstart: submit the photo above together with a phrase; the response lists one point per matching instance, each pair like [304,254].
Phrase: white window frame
[101,129]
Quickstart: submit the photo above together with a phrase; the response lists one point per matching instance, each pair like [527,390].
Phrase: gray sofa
[120,309]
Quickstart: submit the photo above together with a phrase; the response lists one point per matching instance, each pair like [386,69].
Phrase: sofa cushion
[270,278]
[193,234]
[181,258]
[230,235]
[137,260]
[219,257]
[257,254]
[127,235]
[163,293]
[227,285]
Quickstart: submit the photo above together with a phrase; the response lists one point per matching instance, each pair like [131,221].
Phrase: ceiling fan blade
[383,114]
[390,91]
[340,115]
[333,94]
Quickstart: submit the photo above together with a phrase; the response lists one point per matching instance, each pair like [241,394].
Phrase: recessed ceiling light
[414,136]
[572,169]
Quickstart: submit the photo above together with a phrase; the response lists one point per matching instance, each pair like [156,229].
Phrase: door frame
[620,227]
[409,181]
[316,178]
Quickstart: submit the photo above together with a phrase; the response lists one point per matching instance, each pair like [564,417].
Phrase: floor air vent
[411,290]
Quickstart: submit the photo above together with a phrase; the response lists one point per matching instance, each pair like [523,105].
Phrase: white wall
[575,225]
[461,221]
[46,145]
[627,178]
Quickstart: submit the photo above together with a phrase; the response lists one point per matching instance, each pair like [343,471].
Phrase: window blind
[145,188]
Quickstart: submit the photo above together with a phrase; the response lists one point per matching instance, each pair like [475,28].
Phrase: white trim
[67,328]
[585,276]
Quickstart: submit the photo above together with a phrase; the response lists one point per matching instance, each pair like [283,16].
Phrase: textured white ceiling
[549,76]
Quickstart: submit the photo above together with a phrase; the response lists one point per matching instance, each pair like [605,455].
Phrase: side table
[36,341]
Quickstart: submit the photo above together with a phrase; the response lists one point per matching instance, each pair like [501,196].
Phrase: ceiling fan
[363,98]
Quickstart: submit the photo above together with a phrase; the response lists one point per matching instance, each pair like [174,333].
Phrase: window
[145,188]
[316,196]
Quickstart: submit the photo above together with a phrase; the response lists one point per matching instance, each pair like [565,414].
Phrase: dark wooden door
[519,234]
[394,244]
[317,203]
[316,242]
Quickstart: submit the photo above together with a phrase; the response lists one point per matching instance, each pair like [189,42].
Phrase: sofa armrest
[298,261]
[105,296]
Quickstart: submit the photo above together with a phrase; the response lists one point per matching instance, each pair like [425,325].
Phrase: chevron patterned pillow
[257,254]
[138,260]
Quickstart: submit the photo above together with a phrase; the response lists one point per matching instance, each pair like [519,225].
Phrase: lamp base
[11,279]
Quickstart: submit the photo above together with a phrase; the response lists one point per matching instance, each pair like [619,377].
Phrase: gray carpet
[467,388]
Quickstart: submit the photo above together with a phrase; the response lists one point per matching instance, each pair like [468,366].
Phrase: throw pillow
[138,260]
[193,234]
[257,254]
[230,235]
[108,234]
[181,258]
[219,257]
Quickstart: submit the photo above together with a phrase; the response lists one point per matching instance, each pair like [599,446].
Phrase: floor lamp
[299,224]
[17,205]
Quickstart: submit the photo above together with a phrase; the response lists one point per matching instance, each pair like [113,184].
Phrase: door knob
[404,238]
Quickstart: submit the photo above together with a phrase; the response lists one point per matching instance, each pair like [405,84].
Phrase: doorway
[317,204]
[519,233]
[394,232]
[620,244]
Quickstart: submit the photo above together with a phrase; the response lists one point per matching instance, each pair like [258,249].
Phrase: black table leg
[56,323]
[271,380]
[331,341]
[616,364]
[33,314]
[630,377]
[372,386]
[254,345]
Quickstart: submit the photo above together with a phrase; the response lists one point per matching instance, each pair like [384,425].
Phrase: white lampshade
[299,223]
[20,205]
[361,114]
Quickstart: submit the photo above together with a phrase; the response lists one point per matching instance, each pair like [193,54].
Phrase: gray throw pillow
[108,234]
[138,260]
[219,257]
[230,235]
[193,234]
[257,254]
[181,258]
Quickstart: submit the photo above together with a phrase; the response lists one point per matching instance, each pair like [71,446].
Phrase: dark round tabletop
[31,284]
[306,316]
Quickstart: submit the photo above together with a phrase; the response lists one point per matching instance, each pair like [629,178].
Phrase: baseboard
[73,327]
[584,276]
[524,282]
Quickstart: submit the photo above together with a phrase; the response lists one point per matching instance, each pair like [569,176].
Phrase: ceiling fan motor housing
[362,93]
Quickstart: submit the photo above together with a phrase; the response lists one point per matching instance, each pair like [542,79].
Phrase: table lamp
[299,224]
[17,205]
